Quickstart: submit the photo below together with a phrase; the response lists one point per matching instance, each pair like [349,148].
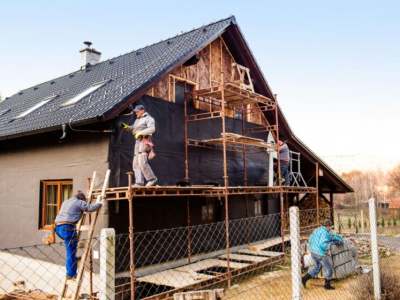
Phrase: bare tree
[366,184]
[394,179]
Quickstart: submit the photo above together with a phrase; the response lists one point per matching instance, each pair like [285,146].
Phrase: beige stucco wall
[21,171]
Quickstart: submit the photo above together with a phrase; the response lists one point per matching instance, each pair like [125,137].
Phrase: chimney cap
[89,49]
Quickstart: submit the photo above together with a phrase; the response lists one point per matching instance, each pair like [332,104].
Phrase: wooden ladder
[72,287]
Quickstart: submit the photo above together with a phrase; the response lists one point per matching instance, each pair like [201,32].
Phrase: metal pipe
[131,237]
[282,212]
[186,139]
[189,230]
[244,149]
[225,176]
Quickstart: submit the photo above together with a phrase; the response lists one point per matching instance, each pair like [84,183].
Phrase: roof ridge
[232,17]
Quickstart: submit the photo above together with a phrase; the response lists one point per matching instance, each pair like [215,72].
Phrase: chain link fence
[247,258]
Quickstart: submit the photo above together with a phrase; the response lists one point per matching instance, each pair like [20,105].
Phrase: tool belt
[147,140]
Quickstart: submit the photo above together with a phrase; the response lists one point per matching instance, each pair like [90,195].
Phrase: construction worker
[284,159]
[69,214]
[319,243]
[142,129]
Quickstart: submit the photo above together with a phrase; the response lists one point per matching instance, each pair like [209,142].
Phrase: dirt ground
[277,285]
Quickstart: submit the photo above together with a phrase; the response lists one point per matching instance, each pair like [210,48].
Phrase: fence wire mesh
[171,262]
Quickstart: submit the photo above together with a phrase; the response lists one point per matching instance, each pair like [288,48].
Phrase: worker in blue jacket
[319,243]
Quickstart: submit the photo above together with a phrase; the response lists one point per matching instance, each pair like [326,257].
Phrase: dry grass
[277,285]
[390,281]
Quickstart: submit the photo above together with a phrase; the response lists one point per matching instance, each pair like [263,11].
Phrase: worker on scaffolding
[142,129]
[319,243]
[284,159]
[69,214]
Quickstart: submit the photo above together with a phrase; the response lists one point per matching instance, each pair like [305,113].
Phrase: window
[35,107]
[4,111]
[53,193]
[83,94]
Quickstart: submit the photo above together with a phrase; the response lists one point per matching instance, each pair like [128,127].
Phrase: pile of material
[363,245]
[21,294]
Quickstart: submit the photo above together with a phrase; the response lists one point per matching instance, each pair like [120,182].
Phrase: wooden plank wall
[213,59]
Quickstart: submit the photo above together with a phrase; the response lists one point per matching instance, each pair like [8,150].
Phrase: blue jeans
[68,233]
[321,261]
[285,171]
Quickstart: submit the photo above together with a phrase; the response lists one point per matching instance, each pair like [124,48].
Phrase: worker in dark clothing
[70,213]
[319,243]
[284,159]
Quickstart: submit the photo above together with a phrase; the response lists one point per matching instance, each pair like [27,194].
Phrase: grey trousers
[140,165]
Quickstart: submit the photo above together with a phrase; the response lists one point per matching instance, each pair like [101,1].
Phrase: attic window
[35,107]
[84,94]
[4,111]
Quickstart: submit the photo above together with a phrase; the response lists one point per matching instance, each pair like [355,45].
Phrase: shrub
[390,286]
[349,223]
[394,222]
[383,222]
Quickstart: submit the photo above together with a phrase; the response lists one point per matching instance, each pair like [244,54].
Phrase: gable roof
[122,76]
[127,77]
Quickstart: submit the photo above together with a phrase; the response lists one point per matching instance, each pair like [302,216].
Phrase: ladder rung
[84,228]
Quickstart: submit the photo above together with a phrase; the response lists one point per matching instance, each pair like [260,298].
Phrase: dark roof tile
[129,72]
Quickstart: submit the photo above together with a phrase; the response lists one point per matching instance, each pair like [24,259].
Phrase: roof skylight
[83,94]
[35,107]
[4,111]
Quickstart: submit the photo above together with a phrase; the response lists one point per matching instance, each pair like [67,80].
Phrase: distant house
[55,134]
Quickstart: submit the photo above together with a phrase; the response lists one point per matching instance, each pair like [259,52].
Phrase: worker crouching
[319,243]
[142,129]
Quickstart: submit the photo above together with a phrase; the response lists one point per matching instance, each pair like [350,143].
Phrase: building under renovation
[217,127]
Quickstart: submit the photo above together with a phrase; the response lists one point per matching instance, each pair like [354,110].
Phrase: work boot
[152,182]
[327,285]
[305,279]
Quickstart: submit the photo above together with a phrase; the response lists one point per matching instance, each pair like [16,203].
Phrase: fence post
[295,252]
[374,249]
[107,264]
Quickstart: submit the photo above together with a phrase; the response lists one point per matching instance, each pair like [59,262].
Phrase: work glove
[124,125]
[138,135]
[99,200]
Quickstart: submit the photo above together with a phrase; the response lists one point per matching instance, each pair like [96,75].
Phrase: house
[217,124]
[55,134]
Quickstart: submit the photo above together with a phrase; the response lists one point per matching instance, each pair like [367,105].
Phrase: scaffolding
[242,100]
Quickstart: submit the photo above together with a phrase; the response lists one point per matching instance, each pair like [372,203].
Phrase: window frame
[87,92]
[43,198]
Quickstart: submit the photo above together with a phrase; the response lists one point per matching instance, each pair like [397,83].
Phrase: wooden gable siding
[213,59]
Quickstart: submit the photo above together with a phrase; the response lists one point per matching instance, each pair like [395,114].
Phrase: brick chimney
[89,55]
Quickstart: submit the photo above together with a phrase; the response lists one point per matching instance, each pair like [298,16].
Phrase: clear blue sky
[335,65]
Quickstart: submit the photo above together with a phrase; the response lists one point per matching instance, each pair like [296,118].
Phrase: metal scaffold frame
[223,96]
